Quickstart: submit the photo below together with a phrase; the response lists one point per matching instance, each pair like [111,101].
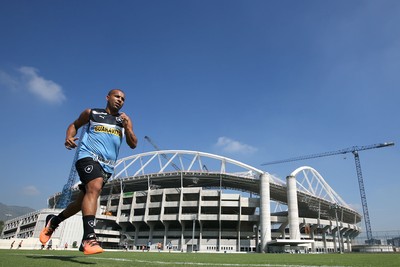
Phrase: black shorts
[88,170]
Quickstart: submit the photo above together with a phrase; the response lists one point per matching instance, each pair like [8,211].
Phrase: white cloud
[232,146]
[30,190]
[27,79]
[45,89]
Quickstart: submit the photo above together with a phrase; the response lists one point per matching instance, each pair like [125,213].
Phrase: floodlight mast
[354,150]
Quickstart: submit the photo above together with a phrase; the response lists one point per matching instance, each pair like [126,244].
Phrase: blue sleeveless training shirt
[102,139]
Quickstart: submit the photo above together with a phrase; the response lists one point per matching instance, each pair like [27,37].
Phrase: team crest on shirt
[119,120]
[89,168]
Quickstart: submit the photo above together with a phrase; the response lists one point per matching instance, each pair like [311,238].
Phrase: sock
[56,220]
[88,226]
[61,216]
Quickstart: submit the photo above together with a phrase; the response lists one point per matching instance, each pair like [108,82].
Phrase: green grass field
[39,258]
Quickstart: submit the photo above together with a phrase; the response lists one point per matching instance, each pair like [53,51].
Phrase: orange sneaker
[91,246]
[47,231]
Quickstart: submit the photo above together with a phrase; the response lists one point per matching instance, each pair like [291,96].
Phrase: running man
[95,164]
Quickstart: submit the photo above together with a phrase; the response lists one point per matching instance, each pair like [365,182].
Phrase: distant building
[29,226]
[394,241]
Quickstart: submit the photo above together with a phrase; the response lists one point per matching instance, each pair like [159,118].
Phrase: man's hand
[70,143]
[126,121]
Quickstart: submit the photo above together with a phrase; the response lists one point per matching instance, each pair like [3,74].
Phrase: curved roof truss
[183,160]
[311,182]
[308,179]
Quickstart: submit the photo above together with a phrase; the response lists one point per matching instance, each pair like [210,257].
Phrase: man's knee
[94,186]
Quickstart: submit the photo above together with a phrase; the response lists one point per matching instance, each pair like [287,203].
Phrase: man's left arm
[130,136]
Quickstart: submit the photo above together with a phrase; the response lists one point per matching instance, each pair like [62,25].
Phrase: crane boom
[163,155]
[354,150]
[331,153]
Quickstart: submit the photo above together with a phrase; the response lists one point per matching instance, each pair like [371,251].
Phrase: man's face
[116,99]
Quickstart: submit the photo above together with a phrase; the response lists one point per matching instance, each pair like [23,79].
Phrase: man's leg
[89,208]
[53,221]
[74,207]
[89,204]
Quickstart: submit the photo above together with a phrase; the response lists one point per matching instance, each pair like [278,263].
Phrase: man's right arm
[73,129]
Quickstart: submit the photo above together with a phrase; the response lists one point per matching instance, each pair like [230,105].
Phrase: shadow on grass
[61,258]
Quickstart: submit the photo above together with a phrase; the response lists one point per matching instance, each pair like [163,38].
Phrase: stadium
[194,201]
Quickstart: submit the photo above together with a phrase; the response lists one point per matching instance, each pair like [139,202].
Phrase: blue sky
[255,81]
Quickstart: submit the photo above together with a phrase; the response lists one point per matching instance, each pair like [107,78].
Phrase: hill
[9,212]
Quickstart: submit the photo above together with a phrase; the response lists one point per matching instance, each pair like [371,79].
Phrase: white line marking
[214,264]
[188,263]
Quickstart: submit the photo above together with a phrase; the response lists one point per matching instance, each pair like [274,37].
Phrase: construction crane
[163,155]
[67,189]
[354,150]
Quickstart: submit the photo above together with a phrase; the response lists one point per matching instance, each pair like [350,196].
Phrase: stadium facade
[195,201]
